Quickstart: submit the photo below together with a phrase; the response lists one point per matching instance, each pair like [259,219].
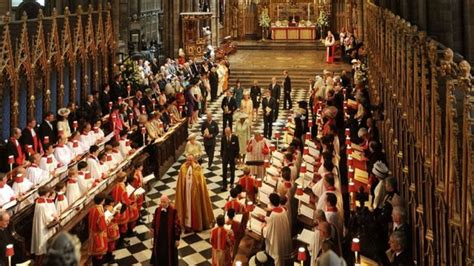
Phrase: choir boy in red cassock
[97,231]
[222,242]
[138,182]
[133,213]
[119,193]
[166,234]
[248,183]
[234,203]
[113,232]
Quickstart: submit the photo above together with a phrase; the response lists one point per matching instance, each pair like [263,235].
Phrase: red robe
[119,193]
[138,182]
[172,235]
[97,231]
[248,185]
[234,204]
[113,234]
[222,242]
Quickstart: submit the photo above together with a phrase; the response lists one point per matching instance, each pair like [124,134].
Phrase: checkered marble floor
[194,248]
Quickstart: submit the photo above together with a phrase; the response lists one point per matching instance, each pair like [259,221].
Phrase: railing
[427,133]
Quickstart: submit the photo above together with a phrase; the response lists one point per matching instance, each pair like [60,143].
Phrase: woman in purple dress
[190,103]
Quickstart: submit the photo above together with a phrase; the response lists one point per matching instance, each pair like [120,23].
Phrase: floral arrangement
[131,73]
[323,20]
[264,19]
[360,73]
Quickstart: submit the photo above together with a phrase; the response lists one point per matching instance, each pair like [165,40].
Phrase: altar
[293,33]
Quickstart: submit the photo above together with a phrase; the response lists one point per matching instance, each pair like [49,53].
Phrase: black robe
[166,232]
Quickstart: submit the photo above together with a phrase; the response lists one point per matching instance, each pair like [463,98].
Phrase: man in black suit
[228,106]
[90,110]
[276,94]
[104,99]
[269,106]
[229,153]
[287,104]
[48,128]
[29,136]
[116,88]
[209,130]
[213,82]
[399,256]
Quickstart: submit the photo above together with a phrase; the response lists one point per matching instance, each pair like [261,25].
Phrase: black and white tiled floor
[194,248]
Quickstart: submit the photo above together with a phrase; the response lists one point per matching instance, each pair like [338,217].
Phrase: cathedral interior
[402,70]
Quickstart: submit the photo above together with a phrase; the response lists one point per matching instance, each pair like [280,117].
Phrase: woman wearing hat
[380,171]
[246,106]
[63,123]
[242,130]
[193,148]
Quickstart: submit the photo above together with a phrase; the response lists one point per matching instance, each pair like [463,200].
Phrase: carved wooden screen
[427,133]
[43,61]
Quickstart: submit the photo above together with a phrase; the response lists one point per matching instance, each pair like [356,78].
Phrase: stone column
[214,8]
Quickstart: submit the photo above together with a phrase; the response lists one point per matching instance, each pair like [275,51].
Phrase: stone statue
[235,20]
[447,65]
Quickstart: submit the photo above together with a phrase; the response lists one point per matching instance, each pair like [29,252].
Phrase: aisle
[194,248]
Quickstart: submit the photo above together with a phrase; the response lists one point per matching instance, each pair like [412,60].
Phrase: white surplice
[36,175]
[6,194]
[63,154]
[84,184]
[278,237]
[73,191]
[61,202]
[49,167]
[94,168]
[43,215]
[124,149]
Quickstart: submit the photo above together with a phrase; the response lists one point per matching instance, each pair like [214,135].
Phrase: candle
[75,124]
[273,147]
[266,163]
[355,247]
[350,173]
[277,135]
[301,254]
[46,140]
[310,123]
[303,168]
[309,11]
[11,159]
[9,251]
[259,182]
[250,206]
[306,150]
[308,136]
[120,100]
[299,191]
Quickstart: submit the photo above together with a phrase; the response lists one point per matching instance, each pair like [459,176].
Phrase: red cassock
[97,231]
[221,241]
[113,234]
[133,213]
[138,182]
[248,185]
[327,126]
[235,226]
[234,204]
[119,193]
